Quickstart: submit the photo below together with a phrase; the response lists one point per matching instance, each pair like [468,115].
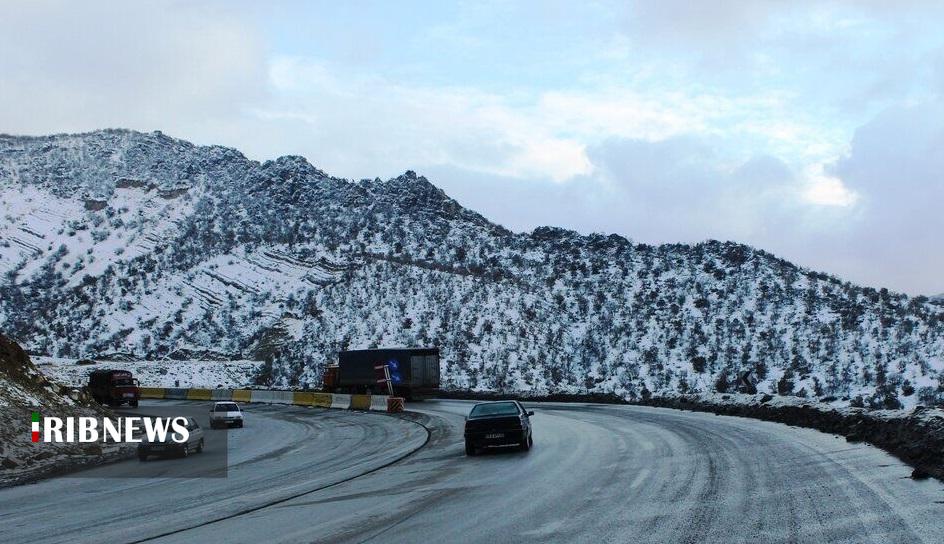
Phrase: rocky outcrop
[23,389]
[17,370]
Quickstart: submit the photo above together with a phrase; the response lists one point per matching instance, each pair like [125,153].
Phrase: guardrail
[376,403]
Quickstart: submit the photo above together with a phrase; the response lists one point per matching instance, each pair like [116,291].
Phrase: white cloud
[70,67]
[519,135]
[826,190]
[414,126]
[673,121]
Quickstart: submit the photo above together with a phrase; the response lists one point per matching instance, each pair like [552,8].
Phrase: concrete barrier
[322,399]
[360,402]
[151,392]
[303,398]
[198,394]
[221,394]
[283,397]
[175,393]
[242,395]
[262,395]
[309,398]
[342,402]
[395,404]
[272,397]
[378,403]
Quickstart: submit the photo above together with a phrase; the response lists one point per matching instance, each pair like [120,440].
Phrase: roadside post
[382,373]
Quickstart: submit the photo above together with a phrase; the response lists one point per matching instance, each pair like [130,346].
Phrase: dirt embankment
[23,389]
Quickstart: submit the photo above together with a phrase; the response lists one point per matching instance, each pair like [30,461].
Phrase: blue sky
[810,129]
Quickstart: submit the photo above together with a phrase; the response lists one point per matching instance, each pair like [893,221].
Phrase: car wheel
[200,446]
[526,444]
[469,449]
[185,451]
[142,457]
[240,424]
[133,404]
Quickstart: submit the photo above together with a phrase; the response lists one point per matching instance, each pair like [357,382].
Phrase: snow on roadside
[167,373]
[916,436]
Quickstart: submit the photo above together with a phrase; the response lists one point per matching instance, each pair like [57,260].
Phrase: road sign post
[382,372]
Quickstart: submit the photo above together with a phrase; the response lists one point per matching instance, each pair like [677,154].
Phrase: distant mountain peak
[409,182]
[553,233]
[294,165]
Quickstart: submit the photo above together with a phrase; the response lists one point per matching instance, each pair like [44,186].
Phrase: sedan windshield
[494,409]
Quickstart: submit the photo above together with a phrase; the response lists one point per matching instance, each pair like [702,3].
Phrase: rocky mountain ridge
[120,243]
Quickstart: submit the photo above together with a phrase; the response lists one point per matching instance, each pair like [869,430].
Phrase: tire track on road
[281,500]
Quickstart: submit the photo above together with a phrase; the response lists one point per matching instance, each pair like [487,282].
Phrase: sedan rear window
[495,409]
[226,408]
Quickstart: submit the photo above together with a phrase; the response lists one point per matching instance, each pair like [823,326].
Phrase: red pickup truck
[114,387]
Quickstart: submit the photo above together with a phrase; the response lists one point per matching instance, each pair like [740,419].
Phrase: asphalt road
[596,474]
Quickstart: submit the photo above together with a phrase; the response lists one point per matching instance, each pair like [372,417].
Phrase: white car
[225,414]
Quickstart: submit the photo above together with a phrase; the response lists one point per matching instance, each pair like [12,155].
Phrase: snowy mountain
[122,244]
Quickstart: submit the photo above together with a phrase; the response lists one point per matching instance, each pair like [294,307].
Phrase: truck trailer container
[414,372]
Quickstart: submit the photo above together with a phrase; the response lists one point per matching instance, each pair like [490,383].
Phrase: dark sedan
[168,446]
[493,424]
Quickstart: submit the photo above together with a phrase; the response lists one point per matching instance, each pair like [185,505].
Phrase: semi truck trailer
[414,372]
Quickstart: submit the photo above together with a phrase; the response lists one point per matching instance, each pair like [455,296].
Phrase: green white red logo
[35,425]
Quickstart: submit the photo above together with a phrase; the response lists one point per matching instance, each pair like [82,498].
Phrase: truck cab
[114,387]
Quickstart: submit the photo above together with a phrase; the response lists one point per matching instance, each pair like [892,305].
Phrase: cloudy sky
[814,130]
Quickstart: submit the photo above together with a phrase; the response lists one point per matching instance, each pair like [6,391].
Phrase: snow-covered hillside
[136,245]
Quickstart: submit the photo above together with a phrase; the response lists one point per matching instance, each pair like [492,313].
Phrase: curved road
[597,473]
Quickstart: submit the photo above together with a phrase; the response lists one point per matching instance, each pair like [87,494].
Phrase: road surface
[597,473]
